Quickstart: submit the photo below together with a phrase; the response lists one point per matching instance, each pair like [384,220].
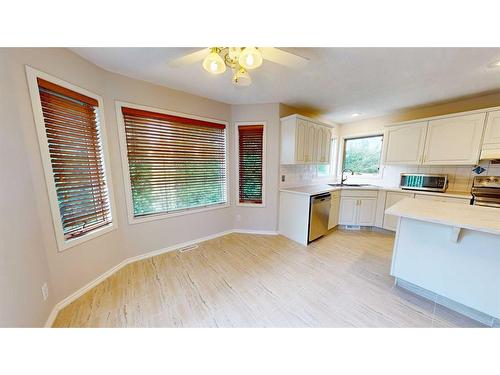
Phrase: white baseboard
[80,292]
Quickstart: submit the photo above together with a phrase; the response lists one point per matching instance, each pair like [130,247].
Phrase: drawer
[359,193]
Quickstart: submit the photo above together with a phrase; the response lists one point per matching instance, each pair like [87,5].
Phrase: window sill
[68,244]
[255,205]
[134,220]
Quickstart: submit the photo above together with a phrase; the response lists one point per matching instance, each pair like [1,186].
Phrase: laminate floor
[243,280]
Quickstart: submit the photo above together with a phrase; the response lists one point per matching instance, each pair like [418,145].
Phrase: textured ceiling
[336,82]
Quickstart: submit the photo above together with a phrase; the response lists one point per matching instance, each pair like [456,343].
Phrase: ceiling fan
[240,60]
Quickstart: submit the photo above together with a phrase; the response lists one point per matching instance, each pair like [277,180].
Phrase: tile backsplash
[459,177]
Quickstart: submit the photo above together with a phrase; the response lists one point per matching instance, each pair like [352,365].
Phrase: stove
[486,191]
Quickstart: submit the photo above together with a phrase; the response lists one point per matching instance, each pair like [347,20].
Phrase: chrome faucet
[344,179]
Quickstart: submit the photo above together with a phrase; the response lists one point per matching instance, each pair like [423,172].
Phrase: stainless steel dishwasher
[319,213]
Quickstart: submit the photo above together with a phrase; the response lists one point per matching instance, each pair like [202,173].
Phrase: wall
[460,177]
[29,251]
[259,218]
[155,235]
[23,263]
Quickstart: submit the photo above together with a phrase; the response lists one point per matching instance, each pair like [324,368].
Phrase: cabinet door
[405,144]
[310,152]
[492,132]
[333,220]
[454,140]
[348,211]
[301,141]
[324,141]
[366,211]
[391,221]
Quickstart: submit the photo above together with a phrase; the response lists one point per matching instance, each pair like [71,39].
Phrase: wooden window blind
[175,163]
[72,127]
[250,146]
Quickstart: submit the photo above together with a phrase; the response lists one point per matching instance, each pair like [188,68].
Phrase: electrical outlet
[45,291]
[283,178]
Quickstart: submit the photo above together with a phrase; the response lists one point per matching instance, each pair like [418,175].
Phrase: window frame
[63,243]
[237,125]
[126,169]
[342,150]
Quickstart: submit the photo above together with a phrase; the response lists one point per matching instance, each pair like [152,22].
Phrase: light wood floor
[239,280]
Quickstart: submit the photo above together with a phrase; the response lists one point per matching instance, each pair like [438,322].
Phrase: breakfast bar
[449,253]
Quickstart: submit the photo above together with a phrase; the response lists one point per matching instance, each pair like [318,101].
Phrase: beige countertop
[482,219]
[324,188]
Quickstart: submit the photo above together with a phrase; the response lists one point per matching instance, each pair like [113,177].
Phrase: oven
[486,191]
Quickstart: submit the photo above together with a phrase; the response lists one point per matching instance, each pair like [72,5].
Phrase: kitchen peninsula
[449,253]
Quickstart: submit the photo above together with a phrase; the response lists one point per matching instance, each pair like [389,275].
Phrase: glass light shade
[250,58]
[214,64]
[241,77]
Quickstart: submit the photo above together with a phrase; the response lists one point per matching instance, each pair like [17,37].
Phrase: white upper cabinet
[304,141]
[454,140]
[404,144]
[492,132]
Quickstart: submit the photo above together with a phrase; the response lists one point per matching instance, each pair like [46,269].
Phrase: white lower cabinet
[333,219]
[348,211]
[391,198]
[358,207]
[366,211]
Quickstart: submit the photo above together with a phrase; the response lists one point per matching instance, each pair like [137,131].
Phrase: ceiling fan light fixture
[234,53]
[241,77]
[213,63]
[250,58]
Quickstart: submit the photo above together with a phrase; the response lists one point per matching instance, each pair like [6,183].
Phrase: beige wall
[373,124]
[28,247]
[460,177]
[23,263]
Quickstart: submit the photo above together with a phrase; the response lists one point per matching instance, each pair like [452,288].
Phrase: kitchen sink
[349,185]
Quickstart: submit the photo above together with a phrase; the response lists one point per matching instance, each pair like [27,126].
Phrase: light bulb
[213,63]
[250,58]
[241,77]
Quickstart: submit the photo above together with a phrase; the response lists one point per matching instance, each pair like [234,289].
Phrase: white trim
[80,292]
[126,171]
[237,157]
[63,244]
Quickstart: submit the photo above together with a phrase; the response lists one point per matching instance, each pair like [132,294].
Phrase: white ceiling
[336,82]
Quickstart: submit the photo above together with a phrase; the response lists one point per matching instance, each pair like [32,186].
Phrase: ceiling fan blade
[190,58]
[282,57]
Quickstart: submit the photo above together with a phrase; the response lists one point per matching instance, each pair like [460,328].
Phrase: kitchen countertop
[325,188]
[482,219]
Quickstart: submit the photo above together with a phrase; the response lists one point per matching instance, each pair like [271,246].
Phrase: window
[175,163]
[327,170]
[69,128]
[250,163]
[362,155]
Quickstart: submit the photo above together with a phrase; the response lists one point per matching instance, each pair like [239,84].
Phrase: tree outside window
[362,155]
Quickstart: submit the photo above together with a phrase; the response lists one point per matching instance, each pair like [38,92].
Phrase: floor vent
[188,248]
[353,227]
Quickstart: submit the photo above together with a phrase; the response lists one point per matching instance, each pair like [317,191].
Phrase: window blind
[250,141]
[72,127]
[175,163]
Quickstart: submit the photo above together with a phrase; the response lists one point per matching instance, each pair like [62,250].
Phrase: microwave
[425,182]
